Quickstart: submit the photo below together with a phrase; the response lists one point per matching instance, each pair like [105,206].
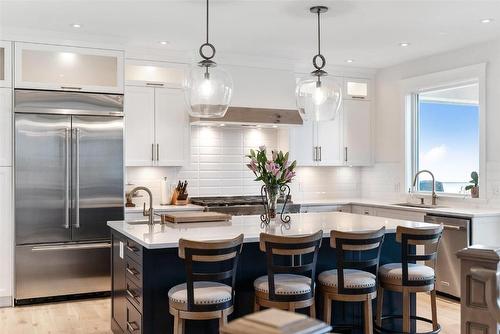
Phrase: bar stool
[348,283]
[204,295]
[286,286]
[407,277]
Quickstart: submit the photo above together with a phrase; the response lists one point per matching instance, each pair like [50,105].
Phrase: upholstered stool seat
[205,293]
[284,284]
[392,273]
[353,279]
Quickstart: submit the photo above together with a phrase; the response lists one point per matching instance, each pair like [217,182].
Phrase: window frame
[411,88]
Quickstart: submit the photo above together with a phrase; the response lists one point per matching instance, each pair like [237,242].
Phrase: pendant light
[208,87]
[319,96]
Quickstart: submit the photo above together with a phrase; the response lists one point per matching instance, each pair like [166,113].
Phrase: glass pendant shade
[318,98]
[208,91]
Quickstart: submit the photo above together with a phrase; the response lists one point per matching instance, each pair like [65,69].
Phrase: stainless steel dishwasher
[456,236]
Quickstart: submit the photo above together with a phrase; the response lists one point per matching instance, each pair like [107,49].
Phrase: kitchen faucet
[150,212]
[434,196]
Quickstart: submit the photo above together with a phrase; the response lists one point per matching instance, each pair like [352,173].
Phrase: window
[446,137]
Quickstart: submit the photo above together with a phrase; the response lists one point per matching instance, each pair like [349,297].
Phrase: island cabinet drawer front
[133,271]
[134,320]
[134,251]
[134,294]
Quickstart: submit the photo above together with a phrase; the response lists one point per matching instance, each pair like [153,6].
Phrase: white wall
[389,132]
[218,168]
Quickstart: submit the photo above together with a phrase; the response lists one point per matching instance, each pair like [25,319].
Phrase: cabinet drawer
[134,251]
[134,320]
[133,271]
[134,294]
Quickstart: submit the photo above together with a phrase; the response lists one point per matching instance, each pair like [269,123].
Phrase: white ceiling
[367,31]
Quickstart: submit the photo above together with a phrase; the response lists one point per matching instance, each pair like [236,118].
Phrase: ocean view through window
[447,137]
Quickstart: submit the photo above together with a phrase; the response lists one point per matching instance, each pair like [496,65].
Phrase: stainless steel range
[240,205]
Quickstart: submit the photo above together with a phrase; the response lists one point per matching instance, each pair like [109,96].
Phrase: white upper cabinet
[156,127]
[357,89]
[5,64]
[262,88]
[53,67]
[344,141]
[139,126]
[357,133]
[5,127]
[171,127]
[154,74]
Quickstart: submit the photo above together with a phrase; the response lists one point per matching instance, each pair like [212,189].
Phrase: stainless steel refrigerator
[68,184]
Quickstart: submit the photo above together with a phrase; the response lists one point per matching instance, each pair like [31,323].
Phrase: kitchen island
[145,264]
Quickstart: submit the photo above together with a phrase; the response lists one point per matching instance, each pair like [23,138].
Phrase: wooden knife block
[176,200]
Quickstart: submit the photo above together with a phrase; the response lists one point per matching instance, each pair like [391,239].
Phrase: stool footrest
[380,329]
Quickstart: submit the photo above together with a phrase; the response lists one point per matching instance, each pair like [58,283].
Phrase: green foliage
[474,181]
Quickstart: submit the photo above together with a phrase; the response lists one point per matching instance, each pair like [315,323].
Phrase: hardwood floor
[76,317]
[93,316]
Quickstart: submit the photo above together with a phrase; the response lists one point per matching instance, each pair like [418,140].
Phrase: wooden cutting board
[194,217]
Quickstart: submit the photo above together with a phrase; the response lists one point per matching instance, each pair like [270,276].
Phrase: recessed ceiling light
[349,61]
[486,20]
[164,43]
[76,25]
[404,44]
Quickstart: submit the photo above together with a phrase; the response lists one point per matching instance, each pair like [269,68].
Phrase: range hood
[247,116]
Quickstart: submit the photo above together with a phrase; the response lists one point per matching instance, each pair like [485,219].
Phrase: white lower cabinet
[5,127]
[325,208]
[362,210]
[156,127]
[6,236]
[400,214]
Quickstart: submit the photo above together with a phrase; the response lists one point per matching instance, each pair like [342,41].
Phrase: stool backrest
[357,250]
[409,237]
[301,249]
[213,261]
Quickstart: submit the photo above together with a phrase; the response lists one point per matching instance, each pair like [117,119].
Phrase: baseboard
[6,301]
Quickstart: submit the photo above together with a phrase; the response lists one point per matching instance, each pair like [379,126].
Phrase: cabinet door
[6,232]
[139,126]
[357,132]
[68,68]
[171,127]
[5,127]
[5,64]
[357,89]
[118,281]
[330,142]
[400,214]
[302,144]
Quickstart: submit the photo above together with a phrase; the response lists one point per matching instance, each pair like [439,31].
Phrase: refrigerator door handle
[68,177]
[96,245]
[77,178]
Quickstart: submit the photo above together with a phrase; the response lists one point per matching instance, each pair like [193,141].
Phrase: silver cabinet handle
[152,152]
[345,154]
[132,271]
[131,294]
[314,153]
[154,84]
[157,152]
[71,88]
[320,153]
[451,227]
[77,178]
[68,176]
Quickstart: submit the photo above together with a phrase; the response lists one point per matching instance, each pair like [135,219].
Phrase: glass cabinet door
[5,62]
[68,68]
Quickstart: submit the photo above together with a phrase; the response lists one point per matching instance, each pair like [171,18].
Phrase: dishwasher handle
[451,223]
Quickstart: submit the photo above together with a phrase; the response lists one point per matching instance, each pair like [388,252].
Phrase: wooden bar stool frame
[409,237]
[296,247]
[211,252]
[349,243]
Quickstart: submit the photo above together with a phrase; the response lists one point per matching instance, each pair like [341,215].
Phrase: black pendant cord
[207,62]
[319,33]
[319,60]
[207,22]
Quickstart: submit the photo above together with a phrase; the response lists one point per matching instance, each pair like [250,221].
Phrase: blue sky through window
[449,142]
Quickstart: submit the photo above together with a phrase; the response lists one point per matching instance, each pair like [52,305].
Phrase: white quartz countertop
[167,208]
[168,235]
[444,210]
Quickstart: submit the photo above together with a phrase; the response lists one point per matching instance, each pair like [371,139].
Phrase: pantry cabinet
[156,127]
[5,64]
[344,141]
[5,127]
[40,66]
